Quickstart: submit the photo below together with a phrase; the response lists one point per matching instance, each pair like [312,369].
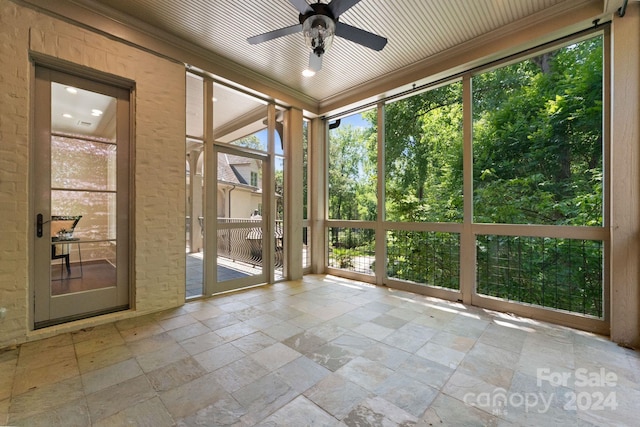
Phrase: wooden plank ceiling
[415,29]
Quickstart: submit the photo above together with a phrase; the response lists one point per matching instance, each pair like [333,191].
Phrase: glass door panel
[81,199]
[278,233]
[242,255]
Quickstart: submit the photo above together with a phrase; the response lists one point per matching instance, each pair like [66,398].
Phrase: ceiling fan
[319,23]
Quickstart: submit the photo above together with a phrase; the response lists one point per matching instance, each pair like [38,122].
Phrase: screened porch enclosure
[236,189]
[489,189]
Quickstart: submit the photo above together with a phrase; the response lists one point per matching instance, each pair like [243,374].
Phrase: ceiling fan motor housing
[318,27]
[319,24]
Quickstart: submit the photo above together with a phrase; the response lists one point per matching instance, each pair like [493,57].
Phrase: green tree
[251,141]
[352,179]
[423,156]
[538,159]
[538,139]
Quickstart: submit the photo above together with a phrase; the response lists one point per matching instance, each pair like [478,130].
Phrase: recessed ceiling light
[96,112]
[67,116]
[72,90]
[308,72]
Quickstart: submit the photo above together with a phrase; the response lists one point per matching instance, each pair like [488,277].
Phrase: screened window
[352,168]
[538,159]
[537,144]
[423,156]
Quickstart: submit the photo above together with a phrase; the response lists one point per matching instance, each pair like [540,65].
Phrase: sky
[354,120]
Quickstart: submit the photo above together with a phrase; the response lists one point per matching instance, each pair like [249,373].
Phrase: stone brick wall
[158,162]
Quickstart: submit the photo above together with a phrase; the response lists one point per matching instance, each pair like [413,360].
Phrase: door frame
[55,310]
[212,285]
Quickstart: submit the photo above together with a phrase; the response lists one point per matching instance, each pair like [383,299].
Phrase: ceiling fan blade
[315,62]
[362,37]
[338,7]
[301,6]
[275,34]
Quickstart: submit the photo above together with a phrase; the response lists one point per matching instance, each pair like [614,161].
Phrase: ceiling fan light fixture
[319,23]
[318,33]
[307,72]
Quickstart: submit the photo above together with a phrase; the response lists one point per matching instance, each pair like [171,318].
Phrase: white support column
[293,194]
[317,179]
[625,178]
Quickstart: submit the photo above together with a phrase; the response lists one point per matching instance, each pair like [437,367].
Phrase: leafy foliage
[538,139]
[250,141]
[424,257]
[423,156]
[352,173]
[537,159]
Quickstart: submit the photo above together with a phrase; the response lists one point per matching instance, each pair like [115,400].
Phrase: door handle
[39,224]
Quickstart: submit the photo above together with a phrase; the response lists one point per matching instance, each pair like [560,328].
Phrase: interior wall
[158,193]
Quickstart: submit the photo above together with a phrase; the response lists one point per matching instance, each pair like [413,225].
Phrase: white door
[81,200]
[243,256]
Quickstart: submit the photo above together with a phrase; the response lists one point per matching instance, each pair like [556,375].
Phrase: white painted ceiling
[416,30]
[77,111]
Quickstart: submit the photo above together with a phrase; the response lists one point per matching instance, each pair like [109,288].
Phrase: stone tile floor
[323,351]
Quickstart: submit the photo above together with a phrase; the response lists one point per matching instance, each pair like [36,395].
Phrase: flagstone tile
[446,410]
[378,411]
[302,373]
[29,378]
[72,414]
[365,373]
[175,374]
[300,412]
[114,399]
[337,395]
[240,373]
[263,397]
[319,351]
[189,398]
[218,357]
[441,354]
[252,343]
[108,376]
[42,399]
[304,342]
[148,413]
[406,393]
[202,343]
[103,358]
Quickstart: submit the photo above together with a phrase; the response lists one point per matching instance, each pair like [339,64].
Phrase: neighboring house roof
[228,169]
[238,176]
[225,173]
